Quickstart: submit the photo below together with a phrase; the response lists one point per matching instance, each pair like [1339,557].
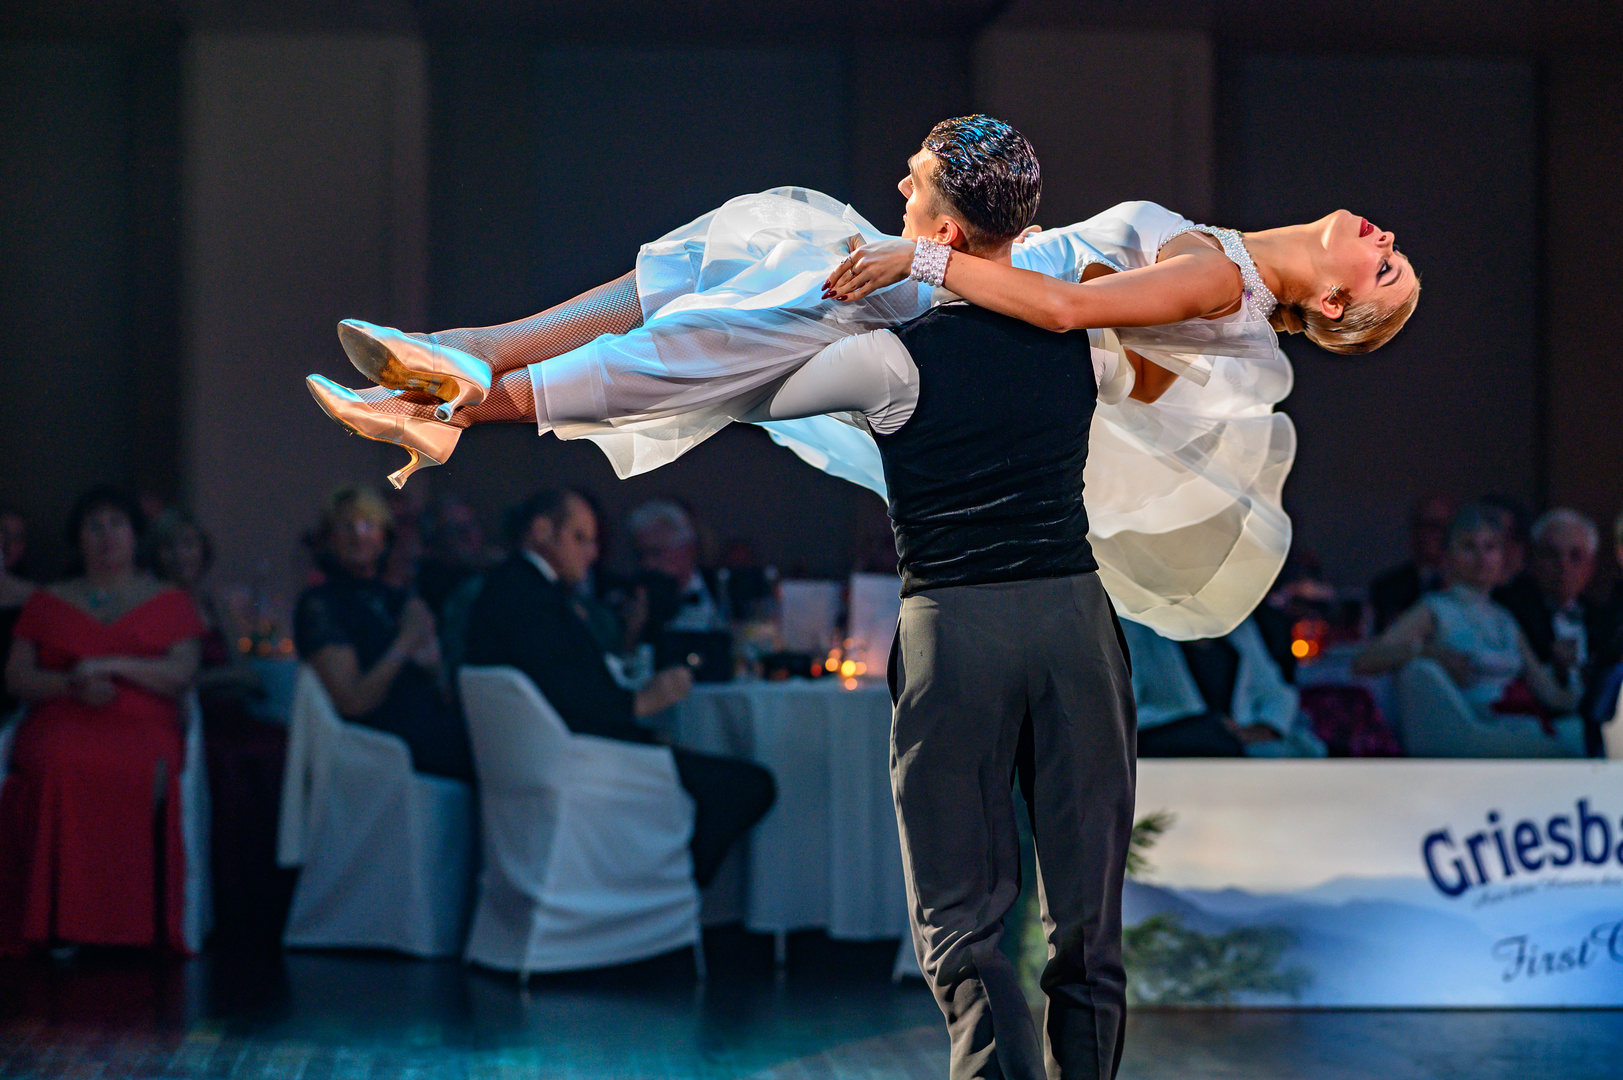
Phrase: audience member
[747,584]
[1400,588]
[680,595]
[529,616]
[1472,638]
[1562,625]
[454,550]
[14,591]
[372,643]
[1515,525]
[182,554]
[406,509]
[245,754]
[1601,702]
[103,659]
[1218,697]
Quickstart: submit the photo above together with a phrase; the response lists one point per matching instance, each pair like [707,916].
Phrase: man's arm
[516,622]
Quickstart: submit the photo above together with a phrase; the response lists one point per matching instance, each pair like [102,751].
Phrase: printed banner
[1366,883]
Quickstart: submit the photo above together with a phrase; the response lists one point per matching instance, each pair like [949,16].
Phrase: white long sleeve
[874,375]
[871,374]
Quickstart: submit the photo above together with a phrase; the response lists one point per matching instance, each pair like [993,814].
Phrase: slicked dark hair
[552,503]
[988,173]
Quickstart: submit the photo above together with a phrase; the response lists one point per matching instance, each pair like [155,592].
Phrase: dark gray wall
[1444,152]
[552,165]
[88,273]
[1584,272]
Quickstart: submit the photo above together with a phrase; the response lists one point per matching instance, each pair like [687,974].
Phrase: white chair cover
[197,913]
[1435,721]
[586,860]
[197,917]
[386,853]
[1611,733]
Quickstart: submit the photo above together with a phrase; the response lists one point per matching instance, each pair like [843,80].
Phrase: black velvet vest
[985,478]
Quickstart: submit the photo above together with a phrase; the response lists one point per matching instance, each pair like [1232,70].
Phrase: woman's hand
[870,268]
[99,667]
[1460,667]
[416,628]
[94,690]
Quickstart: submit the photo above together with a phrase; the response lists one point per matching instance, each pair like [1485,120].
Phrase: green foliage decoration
[1169,963]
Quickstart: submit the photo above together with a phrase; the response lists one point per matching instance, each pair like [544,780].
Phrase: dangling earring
[1334,294]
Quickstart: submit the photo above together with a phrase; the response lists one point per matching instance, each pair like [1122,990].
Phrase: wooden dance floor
[831,1014]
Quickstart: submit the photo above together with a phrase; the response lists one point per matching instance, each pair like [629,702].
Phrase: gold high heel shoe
[390,358]
[429,442]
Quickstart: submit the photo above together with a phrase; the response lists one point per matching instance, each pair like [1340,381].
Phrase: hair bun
[1287,319]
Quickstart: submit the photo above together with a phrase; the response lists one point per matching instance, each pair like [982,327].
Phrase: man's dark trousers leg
[972,666]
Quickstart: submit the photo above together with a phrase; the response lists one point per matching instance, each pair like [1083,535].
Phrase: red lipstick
[1364,227]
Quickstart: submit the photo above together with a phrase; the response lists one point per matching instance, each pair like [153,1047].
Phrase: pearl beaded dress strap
[1257,296]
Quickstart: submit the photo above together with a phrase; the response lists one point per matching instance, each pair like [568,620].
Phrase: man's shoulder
[511,581]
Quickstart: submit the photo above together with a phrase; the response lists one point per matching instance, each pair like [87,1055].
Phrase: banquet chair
[197,912]
[197,907]
[385,853]
[1611,733]
[1435,721]
[586,860]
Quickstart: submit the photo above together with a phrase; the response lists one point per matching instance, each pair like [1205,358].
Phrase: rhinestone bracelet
[930,262]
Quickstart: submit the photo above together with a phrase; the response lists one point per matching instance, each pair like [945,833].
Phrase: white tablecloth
[827,854]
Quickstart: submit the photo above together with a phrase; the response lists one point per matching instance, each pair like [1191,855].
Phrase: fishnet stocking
[511,400]
[612,308]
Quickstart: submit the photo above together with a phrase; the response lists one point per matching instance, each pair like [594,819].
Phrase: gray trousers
[1027,678]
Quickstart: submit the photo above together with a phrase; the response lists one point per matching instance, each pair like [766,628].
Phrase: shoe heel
[399,477]
[466,394]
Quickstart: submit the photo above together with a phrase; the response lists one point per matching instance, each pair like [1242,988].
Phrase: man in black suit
[528,616]
[1564,628]
[1398,589]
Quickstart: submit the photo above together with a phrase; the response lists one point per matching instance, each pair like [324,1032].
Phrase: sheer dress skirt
[1183,496]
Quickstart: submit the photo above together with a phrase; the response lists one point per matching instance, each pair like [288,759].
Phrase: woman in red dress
[102,659]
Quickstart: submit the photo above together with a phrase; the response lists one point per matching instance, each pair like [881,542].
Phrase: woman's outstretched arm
[1183,286]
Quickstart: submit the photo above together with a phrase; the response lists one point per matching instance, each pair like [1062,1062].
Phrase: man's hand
[1251,734]
[663,690]
[634,613]
[870,268]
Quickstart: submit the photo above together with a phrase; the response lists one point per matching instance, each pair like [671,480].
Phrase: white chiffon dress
[1183,496]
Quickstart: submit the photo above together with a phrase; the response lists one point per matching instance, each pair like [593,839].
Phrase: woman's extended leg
[611,308]
[511,400]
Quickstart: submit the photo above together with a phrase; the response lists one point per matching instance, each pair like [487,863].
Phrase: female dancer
[1184,498]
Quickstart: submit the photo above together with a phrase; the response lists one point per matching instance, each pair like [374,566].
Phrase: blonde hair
[1362,327]
[355,498]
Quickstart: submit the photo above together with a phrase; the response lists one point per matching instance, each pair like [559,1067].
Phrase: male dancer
[1008,659]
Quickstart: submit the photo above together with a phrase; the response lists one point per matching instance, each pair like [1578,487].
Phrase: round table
[827,854]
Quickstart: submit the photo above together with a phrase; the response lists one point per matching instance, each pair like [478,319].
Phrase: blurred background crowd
[1500,636]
